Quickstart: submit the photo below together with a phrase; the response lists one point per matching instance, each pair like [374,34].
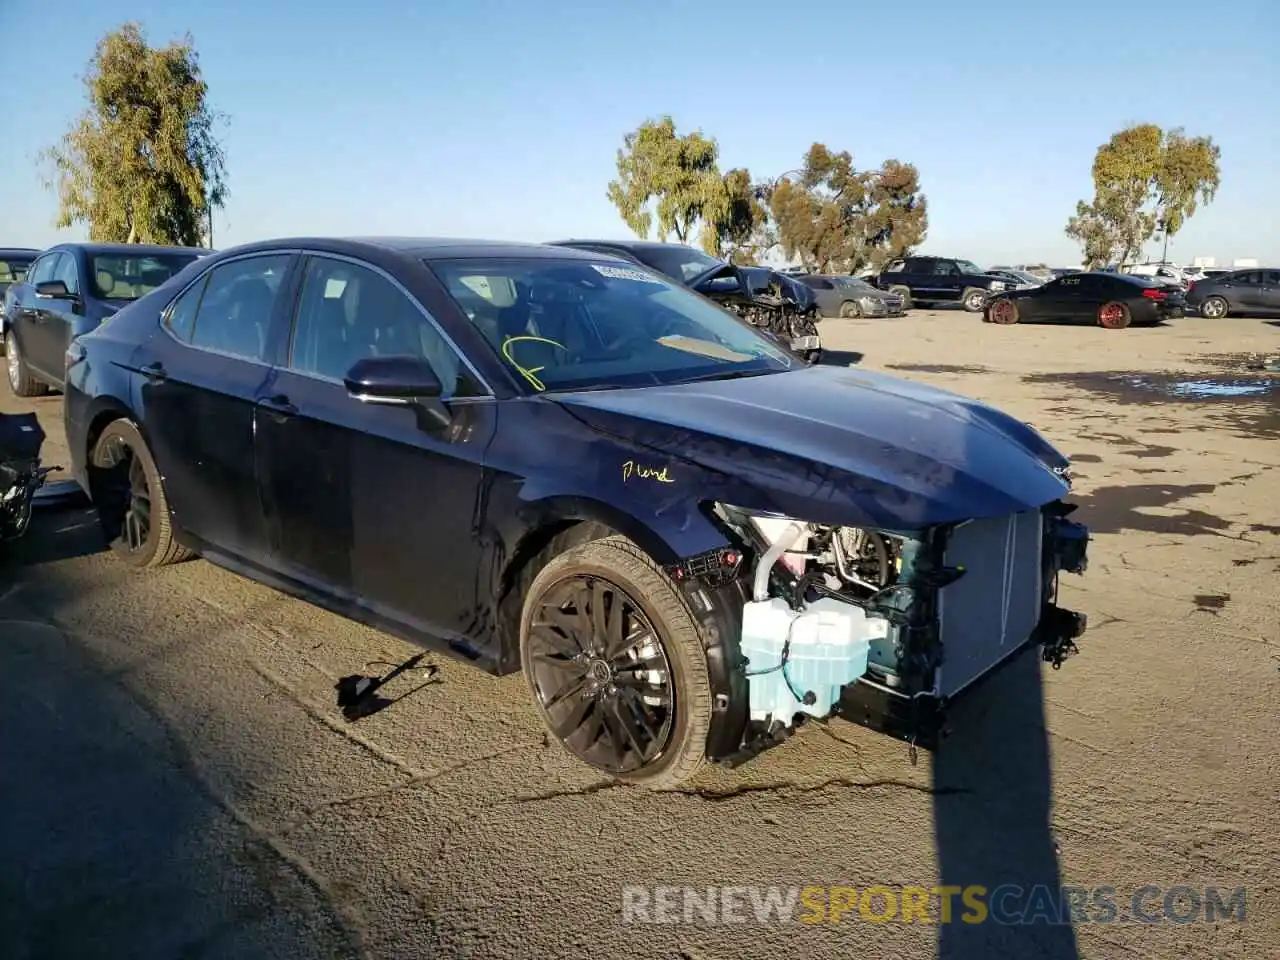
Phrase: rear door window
[234,316]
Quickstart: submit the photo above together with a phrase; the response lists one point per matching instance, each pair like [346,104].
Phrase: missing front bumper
[921,719]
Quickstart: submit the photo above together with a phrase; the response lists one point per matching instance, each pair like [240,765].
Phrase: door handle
[155,372]
[278,407]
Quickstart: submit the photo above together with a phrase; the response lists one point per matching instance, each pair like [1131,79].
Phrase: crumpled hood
[837,445]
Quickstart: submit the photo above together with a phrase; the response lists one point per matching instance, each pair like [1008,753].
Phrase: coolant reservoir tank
[830,644]
[772,528]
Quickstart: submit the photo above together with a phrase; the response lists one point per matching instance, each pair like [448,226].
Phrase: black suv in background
[924,281]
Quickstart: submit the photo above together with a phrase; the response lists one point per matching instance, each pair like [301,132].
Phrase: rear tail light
[1151,294]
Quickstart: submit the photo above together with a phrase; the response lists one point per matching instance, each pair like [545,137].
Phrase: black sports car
[1111,300]
[779,304]
[532,457]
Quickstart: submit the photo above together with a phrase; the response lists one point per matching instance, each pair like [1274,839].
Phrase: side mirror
[399,381]
[54,290]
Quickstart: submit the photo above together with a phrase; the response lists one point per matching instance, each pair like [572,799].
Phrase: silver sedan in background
[841,296]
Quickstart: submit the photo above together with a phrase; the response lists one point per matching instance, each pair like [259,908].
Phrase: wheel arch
[552,526]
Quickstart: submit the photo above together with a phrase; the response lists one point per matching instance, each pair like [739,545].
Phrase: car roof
[19,252]
[625,244]
[125,249]
[426,248]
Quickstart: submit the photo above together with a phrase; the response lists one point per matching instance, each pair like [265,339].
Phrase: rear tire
[850,310]
[1214,308]
[592,678]
[905,294]
[129,496]
[1114,315]
[21,382]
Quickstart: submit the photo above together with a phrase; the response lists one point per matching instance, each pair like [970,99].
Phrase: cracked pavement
[179,781]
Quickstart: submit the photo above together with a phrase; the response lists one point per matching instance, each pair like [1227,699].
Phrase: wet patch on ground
[1211,602]
[937,368]
[1086,458]
[1265,528]
[1246,402]
[1150,508]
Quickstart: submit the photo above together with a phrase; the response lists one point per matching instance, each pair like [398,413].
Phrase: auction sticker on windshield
[624,273]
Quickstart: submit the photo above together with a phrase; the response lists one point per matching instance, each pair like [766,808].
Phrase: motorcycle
[21,474]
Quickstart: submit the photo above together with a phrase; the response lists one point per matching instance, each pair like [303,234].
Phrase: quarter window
[235,312]
[348,312]
[181,318]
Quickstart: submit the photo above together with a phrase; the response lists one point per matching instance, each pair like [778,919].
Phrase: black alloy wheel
[600,674]
[129,496]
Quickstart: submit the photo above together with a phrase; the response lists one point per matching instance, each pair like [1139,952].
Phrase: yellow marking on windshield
[704,348]
[529,373]
[641,472]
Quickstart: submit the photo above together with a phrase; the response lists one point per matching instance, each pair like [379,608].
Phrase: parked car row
[68,290]
[546,458]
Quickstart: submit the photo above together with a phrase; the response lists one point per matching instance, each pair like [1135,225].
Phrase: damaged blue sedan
[543,459]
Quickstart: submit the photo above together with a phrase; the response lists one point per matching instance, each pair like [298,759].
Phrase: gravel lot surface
[177,779]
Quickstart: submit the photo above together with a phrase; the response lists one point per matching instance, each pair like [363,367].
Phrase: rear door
[364,501]
[21,313]
[945,281]
[1248,287]
[205,370]
[1269,293]
[48,318]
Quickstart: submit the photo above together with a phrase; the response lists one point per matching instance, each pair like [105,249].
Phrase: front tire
[850,310]
[21,382]
[1004,311]
[974,300]
[905,294]
[616,664]
[1214,308]
[129,496]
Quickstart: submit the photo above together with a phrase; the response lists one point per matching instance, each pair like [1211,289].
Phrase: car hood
[836,445]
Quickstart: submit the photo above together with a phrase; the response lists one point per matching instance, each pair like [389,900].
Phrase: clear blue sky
[501,119]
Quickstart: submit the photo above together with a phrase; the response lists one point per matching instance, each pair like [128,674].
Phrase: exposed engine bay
[883,627]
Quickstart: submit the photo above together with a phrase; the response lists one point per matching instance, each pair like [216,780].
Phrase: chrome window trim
[204,274]
[435,324]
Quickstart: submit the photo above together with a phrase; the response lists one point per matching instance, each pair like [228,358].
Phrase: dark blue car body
[41,326]
[428,531]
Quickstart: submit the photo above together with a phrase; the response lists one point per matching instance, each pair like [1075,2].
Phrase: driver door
[368,503]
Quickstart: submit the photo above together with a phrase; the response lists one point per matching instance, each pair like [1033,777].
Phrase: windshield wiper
[729,375]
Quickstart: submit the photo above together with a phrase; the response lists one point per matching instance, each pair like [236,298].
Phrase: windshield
[677,262]
[127,277]
[968,266]
[577,324]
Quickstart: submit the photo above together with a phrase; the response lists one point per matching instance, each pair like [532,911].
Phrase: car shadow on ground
[56,533]
[992,823]
[1272,323]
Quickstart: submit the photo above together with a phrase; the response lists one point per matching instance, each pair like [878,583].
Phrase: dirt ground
[178,780]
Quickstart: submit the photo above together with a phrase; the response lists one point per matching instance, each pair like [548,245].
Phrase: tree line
[144,164]
[826,213]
